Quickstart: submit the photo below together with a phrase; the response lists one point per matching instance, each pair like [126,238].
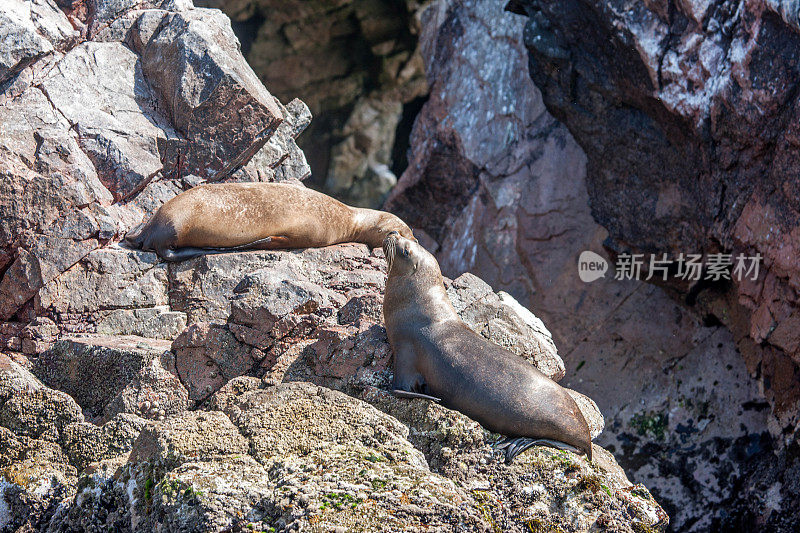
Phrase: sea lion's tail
[133,238]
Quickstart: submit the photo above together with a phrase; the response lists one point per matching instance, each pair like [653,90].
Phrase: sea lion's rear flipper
[407,394]
[515,446]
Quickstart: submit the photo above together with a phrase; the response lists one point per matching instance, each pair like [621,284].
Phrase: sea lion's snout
[134,238]
[390,240]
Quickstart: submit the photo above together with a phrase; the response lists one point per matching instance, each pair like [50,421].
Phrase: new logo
[591,266]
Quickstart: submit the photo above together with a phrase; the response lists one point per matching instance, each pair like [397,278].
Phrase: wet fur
[217,218]
[436,354]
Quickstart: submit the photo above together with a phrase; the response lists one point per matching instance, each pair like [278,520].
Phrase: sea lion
[222,217]
[438,357]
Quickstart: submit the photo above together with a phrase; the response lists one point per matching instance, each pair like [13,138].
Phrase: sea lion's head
[373,226]
[406,257]
[389,223]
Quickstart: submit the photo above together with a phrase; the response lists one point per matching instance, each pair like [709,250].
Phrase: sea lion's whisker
[389,251]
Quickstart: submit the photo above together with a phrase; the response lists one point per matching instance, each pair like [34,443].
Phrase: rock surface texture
[233,392]
[501,188]
[357,64]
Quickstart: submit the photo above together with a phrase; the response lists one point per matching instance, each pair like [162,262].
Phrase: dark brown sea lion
[439,357]
[218,218]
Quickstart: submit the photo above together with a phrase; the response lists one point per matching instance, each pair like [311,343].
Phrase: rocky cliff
[231,392]
[640,134]
[709,90]
[357,65]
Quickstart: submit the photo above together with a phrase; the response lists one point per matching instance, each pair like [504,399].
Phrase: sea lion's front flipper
[180,254]
[407,394]
[515,446]
[408,383]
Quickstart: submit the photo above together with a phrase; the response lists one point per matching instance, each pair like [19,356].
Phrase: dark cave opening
[402,139]
[247,30]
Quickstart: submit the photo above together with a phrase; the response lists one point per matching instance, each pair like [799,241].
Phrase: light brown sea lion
[223,217]
[438,357]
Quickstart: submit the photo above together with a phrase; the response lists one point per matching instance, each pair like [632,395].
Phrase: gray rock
[14,379]
[505,322]
[107,13]
[101,90]
[100,501]
[87,443]
[297,455]
[590,412]
[36,482]
[154,196]
[190,435]
[29,30]
[95,370]
[40,414]
[194,63]
[276,296]
[108,278]
[293,427]
[281,159]
[212,495]
[294,165]
[25,45]
[151,322]
[155,392]
[39,263]
[203,287]
[14,449]
[231,390]
[270,420]
[50,198]
[52,24]
[298,118]
[39,136]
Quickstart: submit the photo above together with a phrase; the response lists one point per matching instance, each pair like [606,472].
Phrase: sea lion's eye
[404,251]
